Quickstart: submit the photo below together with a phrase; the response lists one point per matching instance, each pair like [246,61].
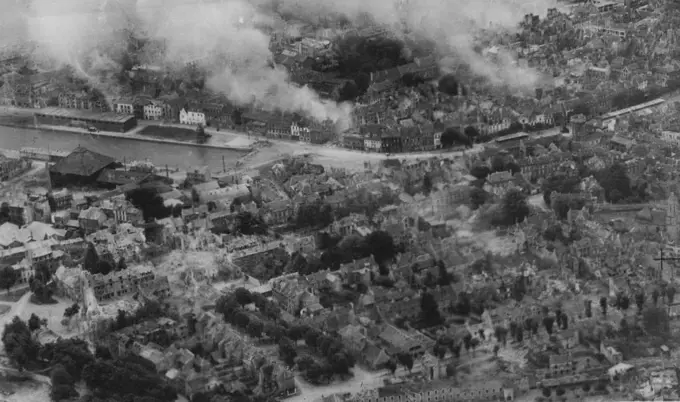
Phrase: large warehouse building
[105,121]
[80,167]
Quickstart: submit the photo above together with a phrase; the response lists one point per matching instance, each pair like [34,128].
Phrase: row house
[91,219]
[542,166]
[390,142]
[21,212]
[291,296]
[499,183]
[192,115]
[10,167]
[437,390]
[153,110]
[278,212]
[63,199]
[280,127]
[82,101]
[223,220]
[124,106]
[120,283]
[121,211]
[621,144]
[353,141]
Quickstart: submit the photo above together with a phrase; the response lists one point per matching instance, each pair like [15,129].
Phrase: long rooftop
[109,117]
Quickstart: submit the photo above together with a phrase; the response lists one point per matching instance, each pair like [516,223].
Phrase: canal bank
[23,119]
[178,155]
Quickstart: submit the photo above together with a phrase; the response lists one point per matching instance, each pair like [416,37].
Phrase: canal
[175,156]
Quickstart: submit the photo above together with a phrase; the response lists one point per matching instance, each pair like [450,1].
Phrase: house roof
[82,162]
[120,177]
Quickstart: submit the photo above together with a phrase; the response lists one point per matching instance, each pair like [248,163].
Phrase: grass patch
[13,296]
[169,132]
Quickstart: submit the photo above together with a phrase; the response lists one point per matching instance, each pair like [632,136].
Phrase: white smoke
[224,38]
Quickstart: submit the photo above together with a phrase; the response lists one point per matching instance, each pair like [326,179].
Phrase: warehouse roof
[108,117]
[82,162]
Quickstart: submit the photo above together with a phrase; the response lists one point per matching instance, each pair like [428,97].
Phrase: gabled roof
[82,162]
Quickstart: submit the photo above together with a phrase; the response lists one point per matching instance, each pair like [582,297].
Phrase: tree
[243,296]
[444,276]
[381,246]
[478,197]
[248,224]
[255,328]
[449,85]
[406,360]
[427,184]
[471,132]
[63,385]
[104,267]
[149,202]
[430,309]
[122,319]
[34,323]
[349,91]
[20,346]
[135,379]
[670,295]
[121,264]
[515,206]
[287,351]
[560,183]
[497,163]
[546,392]
[548,323]
[391,366]
[559,391]
[561,207]
[655,296]
[72,310]
[450,370]
[589,308]
[513,167]
[90,263]
[480,171]
[565,321]
[452,136]
[615,182]
[603,305]
[8,277]
[640,300]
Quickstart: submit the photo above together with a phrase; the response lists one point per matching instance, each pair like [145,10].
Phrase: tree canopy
[452,136]
[448,84]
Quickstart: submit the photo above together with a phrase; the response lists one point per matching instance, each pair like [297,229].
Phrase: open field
[13,296]
[169,132]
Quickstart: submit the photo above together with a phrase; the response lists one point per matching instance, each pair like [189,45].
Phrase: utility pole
[224,166]
[167,172]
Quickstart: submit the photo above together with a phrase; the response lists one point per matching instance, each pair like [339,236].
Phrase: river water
[175,156]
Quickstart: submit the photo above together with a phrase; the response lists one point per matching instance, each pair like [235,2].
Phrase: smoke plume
[450,24]
[224,38]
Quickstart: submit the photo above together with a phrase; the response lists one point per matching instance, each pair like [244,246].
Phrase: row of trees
[70,360]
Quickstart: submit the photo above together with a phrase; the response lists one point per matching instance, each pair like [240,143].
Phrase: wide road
[175,156]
